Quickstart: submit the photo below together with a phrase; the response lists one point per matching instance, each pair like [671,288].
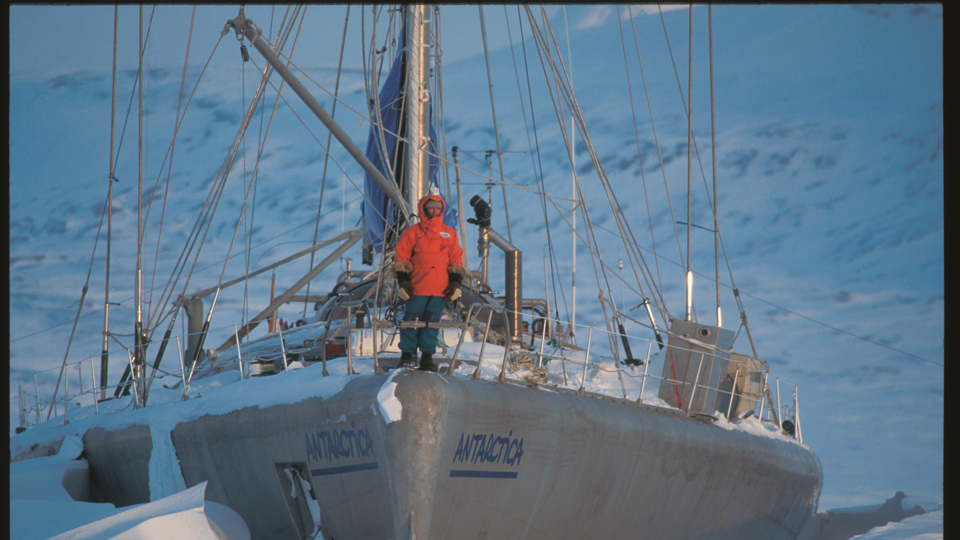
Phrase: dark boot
[426,363]
[406,360]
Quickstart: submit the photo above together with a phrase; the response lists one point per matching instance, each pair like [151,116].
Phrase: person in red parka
[429,268]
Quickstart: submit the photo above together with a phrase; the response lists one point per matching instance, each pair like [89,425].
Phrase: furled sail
[384,151]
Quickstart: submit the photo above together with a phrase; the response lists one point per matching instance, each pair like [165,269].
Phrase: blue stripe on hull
[345,469]
[482,474]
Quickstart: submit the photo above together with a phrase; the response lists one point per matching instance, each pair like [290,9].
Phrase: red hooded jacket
[428,250]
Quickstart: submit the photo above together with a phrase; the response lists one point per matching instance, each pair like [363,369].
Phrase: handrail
[582,386]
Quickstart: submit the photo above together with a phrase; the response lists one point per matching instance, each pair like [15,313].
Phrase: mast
[713,154]
[104,354]
[416,105]
[573,197]
[689,312]
[138,327]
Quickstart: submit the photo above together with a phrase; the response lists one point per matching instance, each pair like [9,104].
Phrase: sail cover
[377,209]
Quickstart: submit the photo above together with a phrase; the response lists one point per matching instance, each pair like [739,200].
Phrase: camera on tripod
[482,210]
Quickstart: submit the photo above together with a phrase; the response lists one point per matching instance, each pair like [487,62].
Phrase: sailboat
[321,436]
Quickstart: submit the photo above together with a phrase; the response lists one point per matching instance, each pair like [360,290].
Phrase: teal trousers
[424,309]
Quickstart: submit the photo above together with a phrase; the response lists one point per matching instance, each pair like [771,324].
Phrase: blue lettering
[491,443]
[501,442]
[459,452]
[481,443]
[311,456]
[316,447]
[324,444]
[483,448]
[334,444]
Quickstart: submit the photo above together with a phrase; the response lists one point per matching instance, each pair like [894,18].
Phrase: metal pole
[543,340]
[347,329]
[20,404]
[763,394]
[730,405]
[417,96]
[646,365]
[463,226]
[133,379]
[183,376]
[104,353]
[689,316]
[483,345]
[506,347]
[586,362]
[779,412]
[375,325]
[236,332]
[283,348]
[796,412]
[37,384]
[463,332]
[695,381]
[93,377]
[326,334]
[66,398]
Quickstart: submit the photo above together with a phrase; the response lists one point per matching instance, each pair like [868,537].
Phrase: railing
[574,372]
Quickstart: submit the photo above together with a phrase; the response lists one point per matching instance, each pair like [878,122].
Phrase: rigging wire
[566,93]
[170,282]
[719,236]
[183,80]
[636,133]
[618,214]
[656,139]
[538,173]
[326,155]
[248,230]
[285,30]
[496,130]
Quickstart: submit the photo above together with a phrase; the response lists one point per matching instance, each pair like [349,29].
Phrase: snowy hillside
[829,130]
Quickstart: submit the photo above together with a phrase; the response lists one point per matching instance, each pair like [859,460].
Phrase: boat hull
[481,459]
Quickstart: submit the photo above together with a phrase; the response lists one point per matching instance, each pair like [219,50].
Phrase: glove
[405,290]
[452,291]
[455,277]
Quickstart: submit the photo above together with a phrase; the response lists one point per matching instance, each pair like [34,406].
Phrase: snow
[390,407]
[830,161]
[37,494]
